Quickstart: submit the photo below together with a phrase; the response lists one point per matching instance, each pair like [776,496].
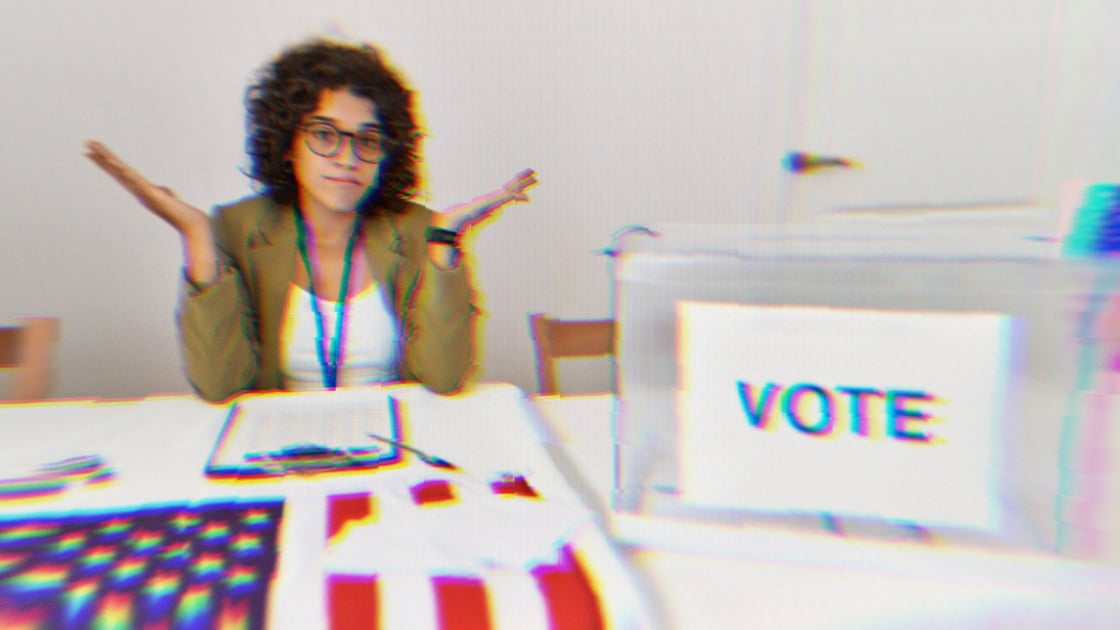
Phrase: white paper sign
[858,412]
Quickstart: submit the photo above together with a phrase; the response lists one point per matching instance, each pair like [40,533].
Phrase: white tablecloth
[158,449]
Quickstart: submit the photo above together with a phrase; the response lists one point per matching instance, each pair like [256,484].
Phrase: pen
[429,459]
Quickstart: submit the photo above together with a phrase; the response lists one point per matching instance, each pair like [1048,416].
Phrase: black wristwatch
[440,235]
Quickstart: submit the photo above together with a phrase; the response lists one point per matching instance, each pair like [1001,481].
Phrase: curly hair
[288,88]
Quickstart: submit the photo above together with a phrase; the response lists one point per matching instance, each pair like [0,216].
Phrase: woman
[332,276]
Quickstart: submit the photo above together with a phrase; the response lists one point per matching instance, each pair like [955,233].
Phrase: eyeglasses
[326,140]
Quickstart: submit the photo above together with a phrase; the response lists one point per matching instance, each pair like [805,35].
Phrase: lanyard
[329,365]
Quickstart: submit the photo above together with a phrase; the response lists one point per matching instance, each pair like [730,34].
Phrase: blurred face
[336,153]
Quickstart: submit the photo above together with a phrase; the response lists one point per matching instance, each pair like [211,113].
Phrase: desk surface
[697,578]
[158,448]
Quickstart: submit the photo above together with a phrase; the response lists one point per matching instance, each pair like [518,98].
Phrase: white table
[159,448]
[709,577]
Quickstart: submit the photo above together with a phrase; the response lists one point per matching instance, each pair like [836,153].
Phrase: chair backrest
[27,349]
[558,339]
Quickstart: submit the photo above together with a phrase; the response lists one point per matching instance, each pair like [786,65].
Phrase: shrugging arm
[437,314]
[217,329]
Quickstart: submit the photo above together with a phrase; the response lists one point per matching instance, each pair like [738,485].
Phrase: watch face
[440,235]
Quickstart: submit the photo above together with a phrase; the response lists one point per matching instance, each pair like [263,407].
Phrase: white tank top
[370,340]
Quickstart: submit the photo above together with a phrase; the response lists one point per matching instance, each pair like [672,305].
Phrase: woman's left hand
[463,216]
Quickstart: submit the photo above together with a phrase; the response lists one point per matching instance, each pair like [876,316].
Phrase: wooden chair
[27,350]
[559,339]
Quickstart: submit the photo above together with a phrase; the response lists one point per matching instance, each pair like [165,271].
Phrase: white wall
[631,112]
[1086,101]
[942,102]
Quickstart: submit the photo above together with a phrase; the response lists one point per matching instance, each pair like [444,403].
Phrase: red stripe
[352,602]
[434,491]
[461,602]
[510,484]
[568,594]
[343,508]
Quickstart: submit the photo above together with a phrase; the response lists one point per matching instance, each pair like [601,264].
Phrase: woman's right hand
[200,255]
[162,201]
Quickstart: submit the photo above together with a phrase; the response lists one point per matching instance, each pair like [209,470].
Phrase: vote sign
[884,414]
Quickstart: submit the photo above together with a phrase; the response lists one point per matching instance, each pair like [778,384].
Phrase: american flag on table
[451,554]
[176,567]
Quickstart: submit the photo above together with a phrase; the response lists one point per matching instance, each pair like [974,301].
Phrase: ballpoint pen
[427,458]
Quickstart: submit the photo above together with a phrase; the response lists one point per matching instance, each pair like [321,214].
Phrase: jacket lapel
[272,256]
[384,249]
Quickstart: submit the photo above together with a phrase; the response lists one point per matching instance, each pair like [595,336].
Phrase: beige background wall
[632,112]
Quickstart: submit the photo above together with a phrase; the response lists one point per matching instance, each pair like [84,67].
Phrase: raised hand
[516,187]
[200,255]
[160,200]
[462,216]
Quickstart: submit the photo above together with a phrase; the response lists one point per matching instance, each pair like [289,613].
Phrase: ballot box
[918,380]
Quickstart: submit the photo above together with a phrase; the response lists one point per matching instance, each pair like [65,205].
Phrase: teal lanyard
[329,365]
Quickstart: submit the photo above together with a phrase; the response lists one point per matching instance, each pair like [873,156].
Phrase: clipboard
[276,434]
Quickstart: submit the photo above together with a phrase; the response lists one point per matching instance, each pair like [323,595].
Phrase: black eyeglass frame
[342,136]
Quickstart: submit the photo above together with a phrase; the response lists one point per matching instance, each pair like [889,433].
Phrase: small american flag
[557,595]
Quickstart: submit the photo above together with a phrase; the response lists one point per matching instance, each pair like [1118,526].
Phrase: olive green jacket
[229,331]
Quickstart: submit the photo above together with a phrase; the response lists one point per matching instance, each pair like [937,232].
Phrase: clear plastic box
[1058,303]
